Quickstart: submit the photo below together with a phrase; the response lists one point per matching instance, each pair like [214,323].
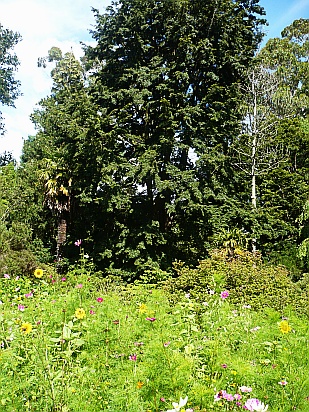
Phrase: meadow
[81,342]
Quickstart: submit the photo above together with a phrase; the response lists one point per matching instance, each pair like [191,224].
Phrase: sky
[64,24]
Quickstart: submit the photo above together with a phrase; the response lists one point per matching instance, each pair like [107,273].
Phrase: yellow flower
[26,328]
[142,308]
[80,313]
[38,273]
[139,384]
[284,326]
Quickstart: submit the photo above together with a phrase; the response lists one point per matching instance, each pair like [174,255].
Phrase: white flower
[178,406]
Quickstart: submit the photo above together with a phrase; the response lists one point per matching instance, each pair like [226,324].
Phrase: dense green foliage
[83,343]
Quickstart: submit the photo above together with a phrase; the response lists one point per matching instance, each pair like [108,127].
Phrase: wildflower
[187,295]
[284,326]
[283,383]
[138,343]
[86,256]
[100,300]
[224,365]
[142,308]
[211,292]
[63,279]
[139,384]
[245,389]
[38,273]
[166,344]
[224,294]
[80,313]
[237,397]
[151,319]
[92,312]
[79,286]
[29,295]
[21,308]
[254,404]
[247,306]
[133,357]
[228,397]
[78,242]
[256,328]
[162,399]
[26,328]
[6,276]
[178,406]
[219,395]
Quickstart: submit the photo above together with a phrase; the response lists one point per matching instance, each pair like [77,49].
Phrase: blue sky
[64,23]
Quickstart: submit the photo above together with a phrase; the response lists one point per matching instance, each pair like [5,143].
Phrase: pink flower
[138,343]
[224,294]
[29,295]
[132,357]
[53,281]
[78,242]
[255,405]
[228,397]
[166,344]
[79,286]
[100,300]
[283,383]
[237,397]
[63,279]
[224,365]
[162,399]
[6,276]
[245,389]
[21,307]
[151,319]
[92,312]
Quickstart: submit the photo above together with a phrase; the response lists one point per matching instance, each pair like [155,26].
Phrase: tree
[9,87]
[166,77]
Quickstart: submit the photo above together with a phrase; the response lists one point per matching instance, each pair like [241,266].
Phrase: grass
[130,349]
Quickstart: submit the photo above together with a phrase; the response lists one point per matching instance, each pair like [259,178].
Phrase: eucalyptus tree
[166,77]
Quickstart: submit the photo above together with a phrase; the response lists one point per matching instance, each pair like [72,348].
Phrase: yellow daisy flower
[142,308]
[38,273]
[284,326]
[80,313]
[26,328]
[139,384]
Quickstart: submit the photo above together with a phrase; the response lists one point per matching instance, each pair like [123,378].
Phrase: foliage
[246,278]
[68,344]
[9,87]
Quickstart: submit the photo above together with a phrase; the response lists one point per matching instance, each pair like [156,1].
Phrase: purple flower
[63,279]
[78,242]
[132,357]
[29,295]
[224,294]
[237,397]
[100,300]
[21,308]
[224,365]
[151,319]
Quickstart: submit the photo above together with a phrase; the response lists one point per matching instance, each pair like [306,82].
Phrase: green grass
[114,359]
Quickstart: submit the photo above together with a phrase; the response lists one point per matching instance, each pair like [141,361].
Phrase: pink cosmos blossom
[21,308]
[224,365]
[133,357]
[224,294]
[92,312]
[283,383]
[245,389]
[255,405]
[63,279]
[151,319]
[100,300]
[237,397]
[29,295]
[7,276]
[78,242]
[162,400]
[166,344]
[79,286]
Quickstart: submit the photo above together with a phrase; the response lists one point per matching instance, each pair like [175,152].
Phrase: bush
[248,280]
